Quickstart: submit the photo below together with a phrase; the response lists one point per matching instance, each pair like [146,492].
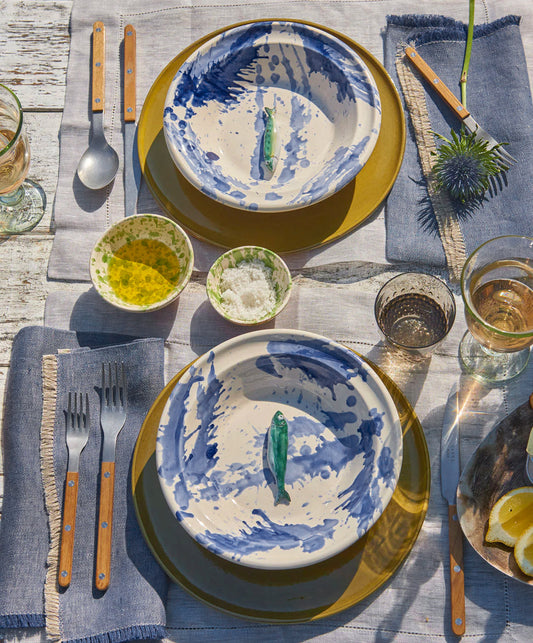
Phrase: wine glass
[497,289]
[22,202]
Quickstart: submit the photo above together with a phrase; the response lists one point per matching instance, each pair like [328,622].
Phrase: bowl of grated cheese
[249,285]
[142,263]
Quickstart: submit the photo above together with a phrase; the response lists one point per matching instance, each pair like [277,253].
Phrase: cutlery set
[113,408]
[99,164]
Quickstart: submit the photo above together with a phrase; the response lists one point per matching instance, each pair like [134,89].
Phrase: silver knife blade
[132,171]
[449,447]
[132,174]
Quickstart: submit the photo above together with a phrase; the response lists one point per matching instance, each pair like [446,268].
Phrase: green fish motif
[271,140]
[278,441]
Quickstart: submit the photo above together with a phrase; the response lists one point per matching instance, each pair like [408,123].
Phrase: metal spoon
[99,164]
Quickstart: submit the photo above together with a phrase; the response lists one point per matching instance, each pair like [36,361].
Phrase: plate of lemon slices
[495,499]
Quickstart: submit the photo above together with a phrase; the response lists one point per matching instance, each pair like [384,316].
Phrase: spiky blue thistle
[465,165]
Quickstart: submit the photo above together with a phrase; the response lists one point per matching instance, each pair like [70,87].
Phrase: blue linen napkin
[40,376]
[498,97]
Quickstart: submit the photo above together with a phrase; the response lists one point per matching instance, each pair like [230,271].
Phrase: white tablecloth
[330,297]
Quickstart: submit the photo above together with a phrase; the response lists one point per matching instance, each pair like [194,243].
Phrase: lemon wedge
[511,516]
[523,551]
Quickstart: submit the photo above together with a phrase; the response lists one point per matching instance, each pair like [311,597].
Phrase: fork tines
[77,410]
[114,385]
[503,157]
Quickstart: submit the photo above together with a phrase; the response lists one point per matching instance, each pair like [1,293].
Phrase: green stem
[468,51]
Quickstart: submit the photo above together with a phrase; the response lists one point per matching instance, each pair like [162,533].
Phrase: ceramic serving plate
[344,449]
[293,595]
[308,227]
[496,467]
[326,113]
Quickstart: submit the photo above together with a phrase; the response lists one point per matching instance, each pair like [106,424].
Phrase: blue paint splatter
[266,535]
[318,361]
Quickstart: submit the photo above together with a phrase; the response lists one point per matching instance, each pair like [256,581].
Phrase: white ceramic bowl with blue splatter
[344,449]
[327,114]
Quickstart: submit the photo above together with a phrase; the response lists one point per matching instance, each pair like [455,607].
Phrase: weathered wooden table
[34,51]
[34,48]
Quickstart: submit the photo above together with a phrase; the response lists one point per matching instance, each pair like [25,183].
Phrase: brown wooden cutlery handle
[457,577]
[98,67]
[446,94]
[130,47]
[105,526]
[68,528]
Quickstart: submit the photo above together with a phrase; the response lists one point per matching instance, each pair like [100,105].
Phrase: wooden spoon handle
[446,94]
[68,528]
[98,67]
[130,47]
[105,526]
[457,577]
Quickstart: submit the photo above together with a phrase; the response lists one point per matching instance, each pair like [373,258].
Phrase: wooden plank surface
[34,49]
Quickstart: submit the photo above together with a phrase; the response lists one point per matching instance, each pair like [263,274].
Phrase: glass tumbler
[415,312]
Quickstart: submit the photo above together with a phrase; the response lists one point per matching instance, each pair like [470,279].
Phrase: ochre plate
[497,466]
[309,227]
[286,596]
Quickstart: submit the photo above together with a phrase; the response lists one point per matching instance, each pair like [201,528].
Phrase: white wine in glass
[22,202]
[497,288]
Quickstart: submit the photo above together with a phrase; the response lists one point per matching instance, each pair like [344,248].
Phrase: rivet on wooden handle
[457,577]
[68,528]
[130,49]
[444,92]
[105,526]
[98,67]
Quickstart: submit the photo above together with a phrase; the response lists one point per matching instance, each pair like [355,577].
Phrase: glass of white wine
[22,202]
[497,289]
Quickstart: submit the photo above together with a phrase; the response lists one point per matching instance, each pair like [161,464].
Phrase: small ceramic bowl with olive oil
[142,263]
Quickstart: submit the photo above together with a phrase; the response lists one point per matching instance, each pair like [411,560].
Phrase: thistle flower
[465,165]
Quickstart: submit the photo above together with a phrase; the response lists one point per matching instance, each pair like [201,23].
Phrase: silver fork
[113,408]
[458,108]
[77,425]
[475,128]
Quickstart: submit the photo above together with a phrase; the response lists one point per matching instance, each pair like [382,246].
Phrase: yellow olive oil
[143,272]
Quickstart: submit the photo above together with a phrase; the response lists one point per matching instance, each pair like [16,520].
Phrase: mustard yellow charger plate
[308,227]
[286,596]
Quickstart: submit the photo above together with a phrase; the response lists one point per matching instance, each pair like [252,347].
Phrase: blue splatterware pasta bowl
[343,459]
[272,116]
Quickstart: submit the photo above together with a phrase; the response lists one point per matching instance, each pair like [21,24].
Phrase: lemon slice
[523,551]
[511,516]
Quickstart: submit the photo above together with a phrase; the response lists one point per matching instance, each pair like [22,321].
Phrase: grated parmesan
[247,290]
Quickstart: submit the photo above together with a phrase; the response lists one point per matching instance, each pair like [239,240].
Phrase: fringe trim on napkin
[51,594]
[135,632]
[16,621]
[435,28]
[449,229]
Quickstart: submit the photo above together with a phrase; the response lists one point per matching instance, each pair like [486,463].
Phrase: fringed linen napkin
[45,364]
[423,225]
